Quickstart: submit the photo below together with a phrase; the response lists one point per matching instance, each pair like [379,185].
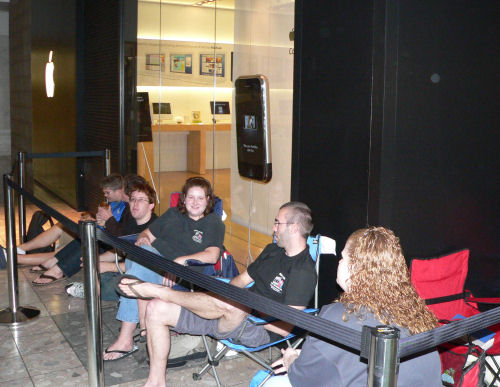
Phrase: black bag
[35,228]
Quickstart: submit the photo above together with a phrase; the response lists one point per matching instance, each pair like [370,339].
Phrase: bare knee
[161,312]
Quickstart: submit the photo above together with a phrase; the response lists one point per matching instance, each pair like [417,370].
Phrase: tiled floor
[51,350]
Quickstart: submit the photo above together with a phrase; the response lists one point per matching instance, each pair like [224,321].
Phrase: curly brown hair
[379,282]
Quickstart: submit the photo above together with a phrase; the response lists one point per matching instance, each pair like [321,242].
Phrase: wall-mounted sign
[49,77]
[210,64]
[181,63]
[155,62]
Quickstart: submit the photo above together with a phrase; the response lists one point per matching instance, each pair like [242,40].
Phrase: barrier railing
[21,160]
[381,345]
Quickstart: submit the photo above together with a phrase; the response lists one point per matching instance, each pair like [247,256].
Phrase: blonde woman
[377,290]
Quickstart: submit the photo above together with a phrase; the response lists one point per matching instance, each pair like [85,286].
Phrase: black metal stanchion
[383,364]
[93,303]
[22,207]
[14,314]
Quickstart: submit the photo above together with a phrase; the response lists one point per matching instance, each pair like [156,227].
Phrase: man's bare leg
[160,316]
[44,239]
[209,306]
[35,259]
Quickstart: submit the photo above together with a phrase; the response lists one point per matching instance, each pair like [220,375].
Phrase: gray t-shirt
[178,235]
[325,364]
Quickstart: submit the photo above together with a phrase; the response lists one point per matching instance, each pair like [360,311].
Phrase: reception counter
[196,144]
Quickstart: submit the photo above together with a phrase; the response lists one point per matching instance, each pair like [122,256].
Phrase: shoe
[3,258]
[75,289]
[122,353]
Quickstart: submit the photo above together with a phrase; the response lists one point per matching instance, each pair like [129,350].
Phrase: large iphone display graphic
[253,127]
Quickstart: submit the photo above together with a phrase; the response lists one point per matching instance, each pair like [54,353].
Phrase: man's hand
[103,214]
[169,279]
[145,238]
[289,356]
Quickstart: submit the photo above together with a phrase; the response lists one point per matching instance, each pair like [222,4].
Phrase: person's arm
[289,356]
[241,280]
[145,238]
[209,255]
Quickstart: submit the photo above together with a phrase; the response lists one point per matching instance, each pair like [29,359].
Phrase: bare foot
[122,349]
[144,289]
[49,276]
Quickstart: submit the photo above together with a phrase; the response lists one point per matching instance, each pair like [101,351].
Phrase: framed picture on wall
[181,63]
[210,63]
[155,62]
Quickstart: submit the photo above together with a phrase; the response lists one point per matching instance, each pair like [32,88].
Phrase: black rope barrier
[314,324]
[65,221]
[61,155]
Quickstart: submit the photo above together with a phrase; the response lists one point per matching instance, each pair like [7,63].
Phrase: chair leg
[212,362]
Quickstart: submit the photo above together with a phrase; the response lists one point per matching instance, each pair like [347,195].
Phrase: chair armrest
[268,319]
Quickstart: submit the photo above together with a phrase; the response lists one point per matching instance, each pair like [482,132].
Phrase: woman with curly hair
[377,290]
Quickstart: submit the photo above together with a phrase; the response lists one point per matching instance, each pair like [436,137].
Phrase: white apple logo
[49,77]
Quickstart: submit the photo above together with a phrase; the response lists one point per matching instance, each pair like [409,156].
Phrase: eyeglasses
[138,200]
[276,223]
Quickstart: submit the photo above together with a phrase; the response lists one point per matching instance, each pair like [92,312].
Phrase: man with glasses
[283,272]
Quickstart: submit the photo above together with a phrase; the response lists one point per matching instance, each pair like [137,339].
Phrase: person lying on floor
[66,262]
[192,230]
[283,272]
[377,290]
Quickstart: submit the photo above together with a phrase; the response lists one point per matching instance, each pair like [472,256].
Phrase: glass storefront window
[189,54]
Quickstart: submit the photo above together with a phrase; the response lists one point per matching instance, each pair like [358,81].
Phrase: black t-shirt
[178,235]
[288,280]
[131,226]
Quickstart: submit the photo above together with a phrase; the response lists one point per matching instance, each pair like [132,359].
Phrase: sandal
[130,286]
[140,337]
[46,276]
[122,353]
[39,269]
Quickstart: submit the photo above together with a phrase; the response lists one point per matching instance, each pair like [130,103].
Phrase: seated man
[66,262]
[284,272]
[192,230]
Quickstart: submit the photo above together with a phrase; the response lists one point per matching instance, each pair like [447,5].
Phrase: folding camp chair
[440,282]
[317,245]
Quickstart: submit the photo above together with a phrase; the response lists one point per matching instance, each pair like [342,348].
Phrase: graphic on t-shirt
[198,236]
[278,282]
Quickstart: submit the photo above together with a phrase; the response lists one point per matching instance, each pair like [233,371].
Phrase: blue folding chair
[317,245]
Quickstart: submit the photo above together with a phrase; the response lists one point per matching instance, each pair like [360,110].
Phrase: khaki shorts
[250,335]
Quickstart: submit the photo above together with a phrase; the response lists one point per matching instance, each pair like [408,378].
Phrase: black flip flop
[138,281]
[43,269]
[54,280]
[123,354]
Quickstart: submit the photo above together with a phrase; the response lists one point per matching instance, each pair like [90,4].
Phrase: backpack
[35,228]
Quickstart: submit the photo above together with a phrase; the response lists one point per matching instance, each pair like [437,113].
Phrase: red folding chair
[440,282]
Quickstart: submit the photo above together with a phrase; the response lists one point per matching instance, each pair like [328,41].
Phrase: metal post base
[23,315]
